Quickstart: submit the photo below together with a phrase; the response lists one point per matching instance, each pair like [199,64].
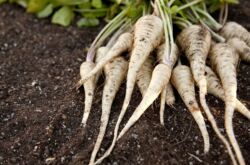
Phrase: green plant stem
[121,30]
[181,21]
[187,5]
[214,35]
[182,25]
[215,24]
[166,32]
[225,15]
[170,3]
[106,31]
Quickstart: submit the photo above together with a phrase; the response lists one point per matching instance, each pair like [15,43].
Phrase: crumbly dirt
[40,112]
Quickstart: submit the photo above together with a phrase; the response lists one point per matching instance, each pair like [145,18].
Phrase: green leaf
[36,5]
[134,11]
[96,4]
[88,22]
[112,11]
[68,2]
[214,7]
[63,16]
[174,9]
[46,11]
[96,14]
[85,5]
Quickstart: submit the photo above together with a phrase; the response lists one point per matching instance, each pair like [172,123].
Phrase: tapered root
[115,72]
[170,97]
[241,47]
[224,60]
[216,129]
[235,30]
[182,80]
[89,87]
[162,105]
[229,129]
[160,78]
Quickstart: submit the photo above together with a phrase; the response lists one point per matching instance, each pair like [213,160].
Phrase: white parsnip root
[195,41]
[144,75]
[160,78]
[235,30]
[148,34]
[89,88]
[241,47]
[215,88]
[184,83]
[123,44]
[170,97]
[224,60]
[167,94]
[115,72]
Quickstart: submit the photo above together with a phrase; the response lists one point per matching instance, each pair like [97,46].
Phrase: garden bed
[40,112]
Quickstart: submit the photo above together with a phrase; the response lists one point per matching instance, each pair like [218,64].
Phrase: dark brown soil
[40,113]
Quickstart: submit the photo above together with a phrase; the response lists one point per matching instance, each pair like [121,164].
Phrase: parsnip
[160,78]
[215,88]
[148,34]
[224,60]
[184,83]
[235,30]
[115,72]
[144,75]
[241,47]
[123,43]
[167,94]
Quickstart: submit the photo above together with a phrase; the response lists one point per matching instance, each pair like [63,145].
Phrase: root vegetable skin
[115,72]
[195,41]
[224,60]
[167,95]
[235,30]
[161,54]
[170,97]
[101,52]
[182,80]
[89,87]
[160,78]
[148,34]
[215,88]
[124,43]
[144,75]
[162,105]
[241,47]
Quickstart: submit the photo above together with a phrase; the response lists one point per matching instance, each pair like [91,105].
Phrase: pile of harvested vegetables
[158,45]
[142,50]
